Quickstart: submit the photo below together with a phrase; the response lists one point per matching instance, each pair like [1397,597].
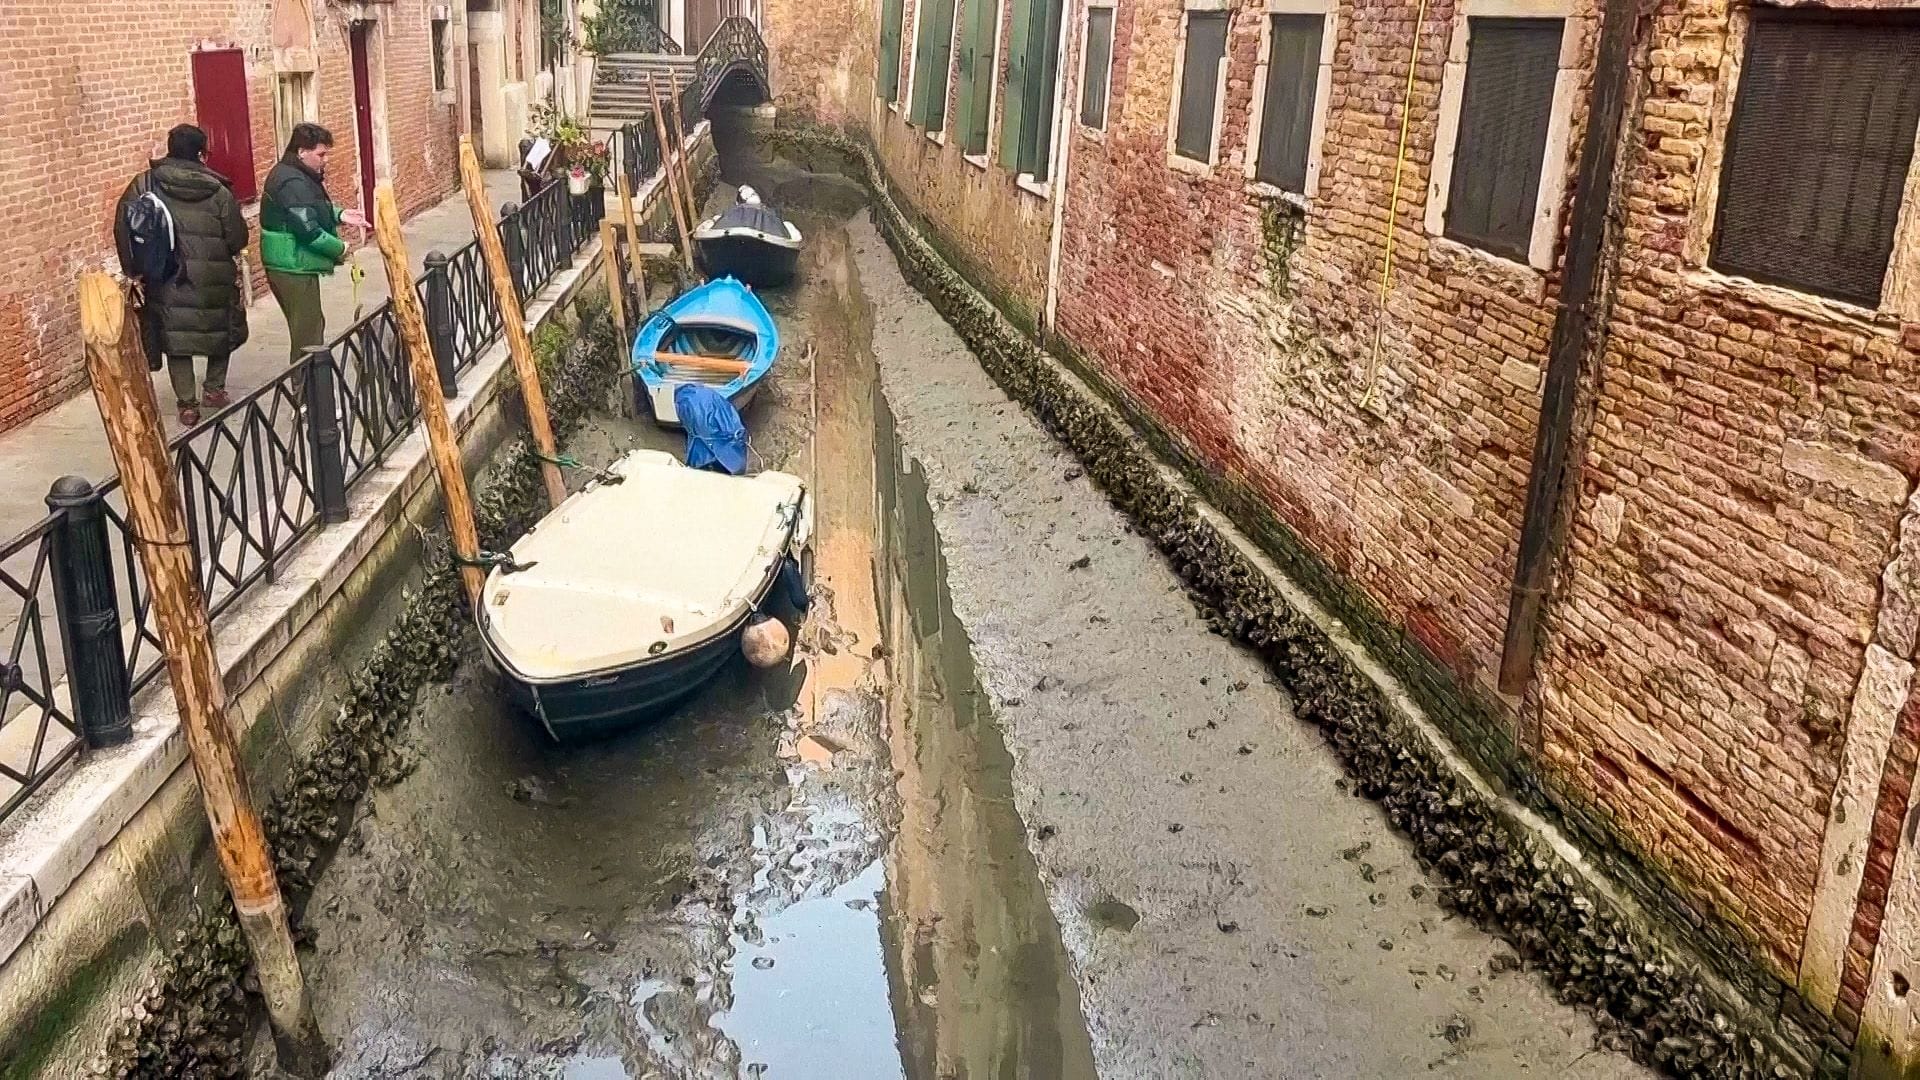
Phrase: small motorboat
[750,241]
[718,334]
[634,592]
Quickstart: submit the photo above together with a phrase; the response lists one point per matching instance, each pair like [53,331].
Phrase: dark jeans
[299,298]
[180,373]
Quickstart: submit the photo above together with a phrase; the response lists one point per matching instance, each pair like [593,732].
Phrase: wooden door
[360,46]
[220,109]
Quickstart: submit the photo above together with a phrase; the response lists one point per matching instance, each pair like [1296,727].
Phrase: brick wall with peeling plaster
[87,89]
[1727,685]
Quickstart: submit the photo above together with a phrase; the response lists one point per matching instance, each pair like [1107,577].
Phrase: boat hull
[657,399]
[604,703]
[723,304]
[750,259]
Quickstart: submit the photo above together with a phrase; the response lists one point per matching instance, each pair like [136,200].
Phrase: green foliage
[621,26]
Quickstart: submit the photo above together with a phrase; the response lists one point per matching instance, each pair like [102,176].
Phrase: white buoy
[765,641]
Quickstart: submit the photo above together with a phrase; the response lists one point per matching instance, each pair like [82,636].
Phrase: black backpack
[155,257]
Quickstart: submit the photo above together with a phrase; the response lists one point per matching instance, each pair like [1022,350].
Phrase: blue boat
[717,335]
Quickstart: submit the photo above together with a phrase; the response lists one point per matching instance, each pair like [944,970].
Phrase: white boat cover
[623,572]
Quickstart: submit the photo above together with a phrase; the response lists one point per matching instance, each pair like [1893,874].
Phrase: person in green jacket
[300,234]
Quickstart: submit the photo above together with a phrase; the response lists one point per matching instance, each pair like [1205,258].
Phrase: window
[1289,103]
[220,108]
[1201,69]
[932,63]
[978,66]
[1033,72]
[1501,143]
[440,54]
[1818,151]
[891,13]
[1099,70]
[293,102]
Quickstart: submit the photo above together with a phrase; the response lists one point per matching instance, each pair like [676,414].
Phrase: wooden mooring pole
[441,441]
[680,153]
[639,262]
[666,168]
[156,517]
[519,345]
[616,281]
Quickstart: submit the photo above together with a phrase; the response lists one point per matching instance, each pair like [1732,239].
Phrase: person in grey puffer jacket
[203,310]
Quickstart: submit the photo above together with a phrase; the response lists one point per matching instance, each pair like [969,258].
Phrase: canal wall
[111,900]
[1681,991]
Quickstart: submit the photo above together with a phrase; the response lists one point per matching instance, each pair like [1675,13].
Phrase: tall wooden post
[666,167]
[616,281]
[519,345]
[157,517]
[633,251]
[441,442]
[680,151]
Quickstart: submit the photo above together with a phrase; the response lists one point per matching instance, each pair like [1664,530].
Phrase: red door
[220,108]
[359,45]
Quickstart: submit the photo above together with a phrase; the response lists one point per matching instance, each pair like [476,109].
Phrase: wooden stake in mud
[157,519]
[639,266]
[441,442]
[616,281]
[519,345]
[680,152]
[666,167]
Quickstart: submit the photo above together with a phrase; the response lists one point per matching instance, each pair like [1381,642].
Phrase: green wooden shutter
[976,74]
[1012,124]
[1044,44]
[887,79]
[940,53]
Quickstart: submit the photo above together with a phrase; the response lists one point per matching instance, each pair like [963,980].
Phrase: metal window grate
[1093,84]
[1819,150]
[1286,117]
[1199,84]
[1511,67]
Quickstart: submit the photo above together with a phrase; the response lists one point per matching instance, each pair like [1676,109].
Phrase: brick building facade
[87,90]
[1725,689]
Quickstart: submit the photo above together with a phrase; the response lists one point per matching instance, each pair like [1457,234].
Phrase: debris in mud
[1174,827]
[1073,472]
[1246,749]
[1044,832]
[1186,778]
[1113,914]
[530,790]
[1228,926]
[1081,563]
[1318,911]
[1457,1028]
[1503,963]
[817,750]
[764,963]
[1386,944]
[1417,891]
[1353,853]
[1367,873]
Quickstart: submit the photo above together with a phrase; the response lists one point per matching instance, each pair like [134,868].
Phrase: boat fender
[765,641]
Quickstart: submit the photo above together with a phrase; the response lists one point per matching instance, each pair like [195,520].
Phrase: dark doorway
[360,45]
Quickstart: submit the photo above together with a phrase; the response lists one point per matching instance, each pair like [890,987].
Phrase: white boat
[633,593]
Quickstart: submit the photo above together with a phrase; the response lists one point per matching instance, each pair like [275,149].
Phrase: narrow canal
[1088,832]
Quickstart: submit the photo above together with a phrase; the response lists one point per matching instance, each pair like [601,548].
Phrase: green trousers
[180,373]
[299,299]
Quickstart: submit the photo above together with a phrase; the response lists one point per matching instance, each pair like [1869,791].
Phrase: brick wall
[87,88]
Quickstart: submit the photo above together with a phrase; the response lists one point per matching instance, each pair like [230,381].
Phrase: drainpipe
[1579,334]
[1064,120]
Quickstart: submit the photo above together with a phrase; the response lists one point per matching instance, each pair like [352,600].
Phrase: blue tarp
[715,435]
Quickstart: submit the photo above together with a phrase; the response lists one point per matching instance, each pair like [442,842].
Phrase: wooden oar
[705,363]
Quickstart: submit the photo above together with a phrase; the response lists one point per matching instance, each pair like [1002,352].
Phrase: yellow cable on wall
[1393,206]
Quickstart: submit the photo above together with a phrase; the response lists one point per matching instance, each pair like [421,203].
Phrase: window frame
[1322,94]
[1098,134]
[1175,159]
[1899,293]
[1555,169]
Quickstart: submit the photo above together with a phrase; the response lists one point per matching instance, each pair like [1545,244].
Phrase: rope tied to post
[488,560]
[568,461]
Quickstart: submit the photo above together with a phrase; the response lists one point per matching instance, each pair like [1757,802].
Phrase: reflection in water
[980,978]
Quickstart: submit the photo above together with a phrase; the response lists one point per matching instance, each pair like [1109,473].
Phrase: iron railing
[735,45]
[256,478]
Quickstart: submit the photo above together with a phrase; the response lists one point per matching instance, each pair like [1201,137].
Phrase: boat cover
[715,434]
[620,573]
[749,219]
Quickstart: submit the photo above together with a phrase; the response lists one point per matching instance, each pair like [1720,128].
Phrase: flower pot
[578,183]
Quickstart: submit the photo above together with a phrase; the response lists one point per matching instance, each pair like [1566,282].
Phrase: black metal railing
[256,478]
[634,149]
[735,45]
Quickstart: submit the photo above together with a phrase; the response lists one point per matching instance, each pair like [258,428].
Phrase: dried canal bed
[921,852]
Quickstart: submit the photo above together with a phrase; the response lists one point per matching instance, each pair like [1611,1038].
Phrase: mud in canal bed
[919,852]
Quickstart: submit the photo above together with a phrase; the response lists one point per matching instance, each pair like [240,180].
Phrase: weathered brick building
[1320,245]
[86,90]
